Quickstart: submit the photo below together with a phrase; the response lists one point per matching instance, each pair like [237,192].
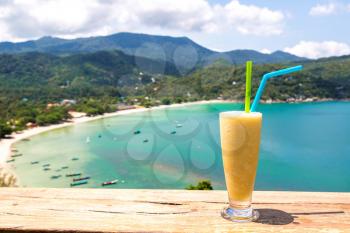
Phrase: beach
[6,144]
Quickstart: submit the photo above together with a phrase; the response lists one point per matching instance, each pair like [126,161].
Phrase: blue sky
[313,28]
[299,25]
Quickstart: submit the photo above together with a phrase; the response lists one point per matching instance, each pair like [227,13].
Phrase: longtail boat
[81,178]
[109,182]
[73,174]
[79,183]
[137,132]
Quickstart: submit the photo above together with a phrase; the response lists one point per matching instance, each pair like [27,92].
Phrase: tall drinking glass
[240,139]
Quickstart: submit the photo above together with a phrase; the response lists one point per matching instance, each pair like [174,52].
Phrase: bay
[304,147]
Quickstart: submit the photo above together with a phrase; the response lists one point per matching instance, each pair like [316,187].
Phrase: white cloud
[250,19]
[266,51]
[186,15]
[323,9]
[313,49]
[25,19]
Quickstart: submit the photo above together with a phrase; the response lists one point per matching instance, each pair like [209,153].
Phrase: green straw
[248,85]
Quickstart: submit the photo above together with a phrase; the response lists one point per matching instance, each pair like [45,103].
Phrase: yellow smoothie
[240,140]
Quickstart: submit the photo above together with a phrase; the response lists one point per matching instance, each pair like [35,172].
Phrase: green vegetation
[5,129]
[326,78]
[52,115]
[166,101]
[202,185]
[94,107]
[16,115]
[96,83]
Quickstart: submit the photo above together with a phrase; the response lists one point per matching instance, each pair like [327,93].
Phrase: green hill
[324,78]
[98,81]
[99,68]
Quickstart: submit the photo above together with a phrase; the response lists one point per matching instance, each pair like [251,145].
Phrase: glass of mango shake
[240,139]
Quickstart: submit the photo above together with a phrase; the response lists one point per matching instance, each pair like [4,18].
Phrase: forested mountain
[98,68]
[48,77]
[179,50]
[97,81]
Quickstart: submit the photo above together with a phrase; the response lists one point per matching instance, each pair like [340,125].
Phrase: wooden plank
[113,210]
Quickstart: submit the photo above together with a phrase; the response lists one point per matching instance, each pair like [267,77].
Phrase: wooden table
[113,210]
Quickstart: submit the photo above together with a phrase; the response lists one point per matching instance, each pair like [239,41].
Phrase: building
[68,102]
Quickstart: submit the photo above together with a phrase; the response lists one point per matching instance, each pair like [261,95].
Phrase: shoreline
[7,143]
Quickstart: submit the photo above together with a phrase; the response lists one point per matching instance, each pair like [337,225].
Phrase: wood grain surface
[126,210]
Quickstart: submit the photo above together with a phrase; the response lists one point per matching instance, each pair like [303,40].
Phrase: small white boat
[88,140]
[178,126]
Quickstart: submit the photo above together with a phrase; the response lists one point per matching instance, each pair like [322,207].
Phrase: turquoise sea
[304,147]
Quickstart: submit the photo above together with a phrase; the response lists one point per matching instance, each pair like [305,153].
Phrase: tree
[202,185]
[166,101]
[52,116]
[4,129]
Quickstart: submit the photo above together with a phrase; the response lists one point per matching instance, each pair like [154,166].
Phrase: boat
[109,182]
[88,140]
[73,174]
[47,169]
[81,178]
[146,140]
[55,176]
[25,139]
[137,132]
[75,159]
[78,183]
[173,132]
[64,167]
[58,170]
[14,150]
[34,162]
[10,160]
[16,155]
[178,126]
[46,165]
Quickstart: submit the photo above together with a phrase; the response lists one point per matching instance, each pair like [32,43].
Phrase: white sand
[5,144]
